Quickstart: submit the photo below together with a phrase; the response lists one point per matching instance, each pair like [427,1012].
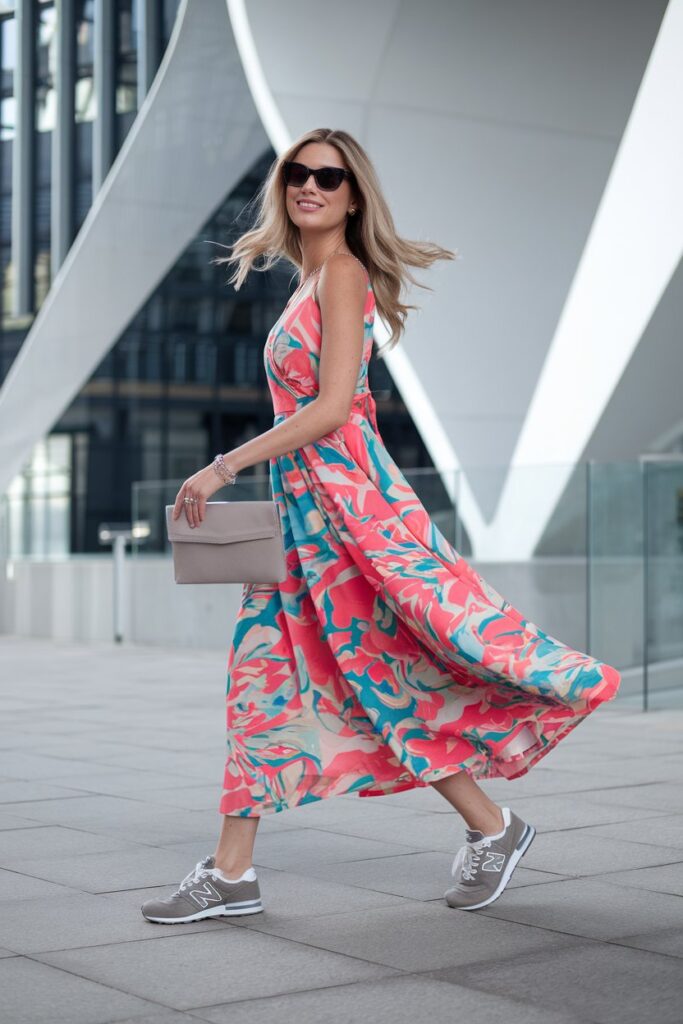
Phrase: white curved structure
[497,132]
[543,142]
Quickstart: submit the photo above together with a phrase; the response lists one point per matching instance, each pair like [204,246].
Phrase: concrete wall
[72,599]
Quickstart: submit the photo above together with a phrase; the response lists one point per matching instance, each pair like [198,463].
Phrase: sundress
[384,661]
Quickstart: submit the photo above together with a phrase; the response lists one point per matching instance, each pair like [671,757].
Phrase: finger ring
[186,501]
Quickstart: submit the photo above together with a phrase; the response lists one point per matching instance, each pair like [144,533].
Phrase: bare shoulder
[342,278]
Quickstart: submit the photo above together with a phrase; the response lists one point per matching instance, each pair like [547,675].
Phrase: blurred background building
[535,402]
[184,378]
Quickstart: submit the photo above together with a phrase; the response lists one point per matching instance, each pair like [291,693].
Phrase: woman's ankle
[231,869]
[490,825]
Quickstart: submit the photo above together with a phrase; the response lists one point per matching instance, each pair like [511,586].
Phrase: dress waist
[363,402]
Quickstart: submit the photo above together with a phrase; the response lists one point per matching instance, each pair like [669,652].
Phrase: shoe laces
[192,877]
[466,860]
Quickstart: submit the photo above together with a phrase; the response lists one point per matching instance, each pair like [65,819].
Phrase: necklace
[314,271]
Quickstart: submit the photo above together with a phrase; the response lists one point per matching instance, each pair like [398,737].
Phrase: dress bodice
[292,350]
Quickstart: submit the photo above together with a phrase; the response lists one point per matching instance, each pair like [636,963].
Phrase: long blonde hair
[370,233]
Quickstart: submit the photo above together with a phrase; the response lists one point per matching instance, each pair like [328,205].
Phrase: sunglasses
[326,178]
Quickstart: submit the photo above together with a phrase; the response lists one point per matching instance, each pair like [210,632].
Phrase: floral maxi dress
[383,661]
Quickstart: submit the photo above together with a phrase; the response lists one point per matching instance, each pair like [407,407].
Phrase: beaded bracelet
[228,476]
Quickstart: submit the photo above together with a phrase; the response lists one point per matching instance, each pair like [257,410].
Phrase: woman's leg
[478,810]
[235,849]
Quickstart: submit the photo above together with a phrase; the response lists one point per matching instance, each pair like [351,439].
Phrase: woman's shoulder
[341,267]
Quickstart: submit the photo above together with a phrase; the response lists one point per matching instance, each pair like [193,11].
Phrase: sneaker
[483,866]
[203,893]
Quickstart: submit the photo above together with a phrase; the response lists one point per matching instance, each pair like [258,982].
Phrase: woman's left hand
[200,486]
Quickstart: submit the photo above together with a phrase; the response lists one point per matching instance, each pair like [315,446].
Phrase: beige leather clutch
[237,542]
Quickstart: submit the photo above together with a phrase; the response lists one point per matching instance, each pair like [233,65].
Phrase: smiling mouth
[304,204]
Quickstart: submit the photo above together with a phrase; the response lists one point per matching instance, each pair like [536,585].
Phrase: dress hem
[492,769]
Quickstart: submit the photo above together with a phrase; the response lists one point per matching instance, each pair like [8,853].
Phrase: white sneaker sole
[229,910]
[519,851]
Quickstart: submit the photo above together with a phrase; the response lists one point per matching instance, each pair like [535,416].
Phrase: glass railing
[593,554]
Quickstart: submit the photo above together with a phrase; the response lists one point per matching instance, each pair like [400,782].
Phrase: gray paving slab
[8,821]
[17,885]
[110,780]
[20,846]
[650,768]
[120,819]
[18,791]
[588,907]
[339,810]
[72,921]
[390,1001]
[666,878]
[576,853]
[540,782]
[111,870]
[26,766]
[438,831]
[668,941]
[162,1017]
[418,876]
[413,937]
[604,983]
[35,993]
[663,796]
[107,799]
[662,828]
[206,968]
[304,847]
[95,809]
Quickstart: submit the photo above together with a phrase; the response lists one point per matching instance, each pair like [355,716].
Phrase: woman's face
[327,209]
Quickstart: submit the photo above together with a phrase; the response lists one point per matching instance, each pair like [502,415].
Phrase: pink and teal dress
[384,661]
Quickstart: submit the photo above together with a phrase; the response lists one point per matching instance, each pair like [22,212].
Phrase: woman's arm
[342,290]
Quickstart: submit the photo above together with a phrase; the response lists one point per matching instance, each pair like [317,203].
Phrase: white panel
[493,128]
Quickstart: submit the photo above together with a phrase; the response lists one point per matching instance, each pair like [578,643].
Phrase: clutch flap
[225,522]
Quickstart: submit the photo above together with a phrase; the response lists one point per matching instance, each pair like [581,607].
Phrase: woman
[383,662]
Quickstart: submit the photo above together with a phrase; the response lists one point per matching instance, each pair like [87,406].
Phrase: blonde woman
[383,662]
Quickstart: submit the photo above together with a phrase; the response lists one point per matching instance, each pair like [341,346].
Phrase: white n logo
[494,861]
[205,895]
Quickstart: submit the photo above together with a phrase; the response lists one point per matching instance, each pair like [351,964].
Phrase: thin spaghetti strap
[315,287]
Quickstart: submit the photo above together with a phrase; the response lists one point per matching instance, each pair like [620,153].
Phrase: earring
[352,212]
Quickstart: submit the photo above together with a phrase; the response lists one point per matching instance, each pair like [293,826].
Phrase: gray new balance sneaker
[202,893]
[483,866]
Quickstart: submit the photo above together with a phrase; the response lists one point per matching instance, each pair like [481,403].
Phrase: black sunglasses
[326,178]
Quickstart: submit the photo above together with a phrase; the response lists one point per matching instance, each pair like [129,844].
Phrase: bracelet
[228,476]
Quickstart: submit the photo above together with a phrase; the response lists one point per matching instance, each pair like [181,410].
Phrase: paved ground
[111,762]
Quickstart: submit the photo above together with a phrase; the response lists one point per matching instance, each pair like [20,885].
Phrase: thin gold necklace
[318,268]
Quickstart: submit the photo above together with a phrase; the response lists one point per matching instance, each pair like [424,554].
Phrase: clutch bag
[237,542]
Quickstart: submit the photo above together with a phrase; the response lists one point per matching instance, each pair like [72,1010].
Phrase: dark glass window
[126,67]
[85,108]
[45,109]
[169,11]
[8,48]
